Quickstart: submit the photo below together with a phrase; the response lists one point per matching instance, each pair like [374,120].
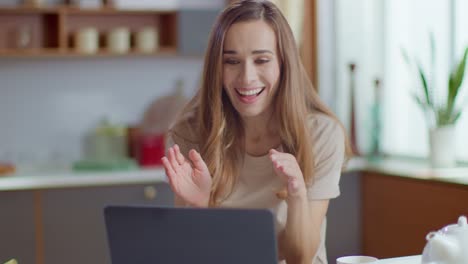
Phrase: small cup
[356,260]
[87,40]
[24,37]
[147,40]
[118,40]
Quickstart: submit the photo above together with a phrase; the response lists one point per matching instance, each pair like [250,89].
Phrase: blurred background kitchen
[89,87]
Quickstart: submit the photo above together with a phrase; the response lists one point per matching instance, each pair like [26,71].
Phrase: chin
[250,113]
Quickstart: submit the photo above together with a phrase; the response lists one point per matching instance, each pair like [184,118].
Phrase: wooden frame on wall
[308,47]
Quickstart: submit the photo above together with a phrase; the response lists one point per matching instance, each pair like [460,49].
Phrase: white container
[86,3]
[147,4]
[118,40]
[356,260]
[34,2]
[442,146]
[87,40]
[147,40]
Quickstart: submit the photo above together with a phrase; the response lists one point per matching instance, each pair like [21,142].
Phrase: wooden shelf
[76,10]
[49,31]
[38,53]
[29,10]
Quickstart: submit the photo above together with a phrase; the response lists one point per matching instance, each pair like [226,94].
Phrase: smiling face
[251,67]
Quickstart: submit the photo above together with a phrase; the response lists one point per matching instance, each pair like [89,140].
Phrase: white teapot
[448,245]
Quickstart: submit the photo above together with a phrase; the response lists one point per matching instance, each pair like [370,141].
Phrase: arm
[308,205]
[300,239]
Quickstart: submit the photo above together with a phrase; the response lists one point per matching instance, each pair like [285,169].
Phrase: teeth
[250,92]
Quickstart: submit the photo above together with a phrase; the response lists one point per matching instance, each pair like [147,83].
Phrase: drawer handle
[150,192]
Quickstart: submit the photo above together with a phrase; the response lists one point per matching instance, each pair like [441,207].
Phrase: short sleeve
[184,145]
[169,142]
[328,141]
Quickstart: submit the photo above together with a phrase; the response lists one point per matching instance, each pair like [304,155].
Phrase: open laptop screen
[168,235]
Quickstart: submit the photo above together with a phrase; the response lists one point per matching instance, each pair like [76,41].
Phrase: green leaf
[432,40]
[443,117]
[456,116]
[406,57]
[456,79]
[419,101]
[422,75]
[433,59]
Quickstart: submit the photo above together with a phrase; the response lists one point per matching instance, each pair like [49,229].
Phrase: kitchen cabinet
[73,220]
[49,31]
[17,226]
[398,212]
[66,225]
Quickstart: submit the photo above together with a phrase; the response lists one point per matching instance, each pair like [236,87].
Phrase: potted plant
[441,113]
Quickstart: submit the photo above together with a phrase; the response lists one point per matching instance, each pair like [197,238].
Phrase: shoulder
[183,132]
[328,145]
[185,126]
[327,134]
[322,126]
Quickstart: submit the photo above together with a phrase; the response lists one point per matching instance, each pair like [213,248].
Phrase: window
[372,34]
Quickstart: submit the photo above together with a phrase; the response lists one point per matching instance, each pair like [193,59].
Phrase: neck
[260,125]
[261,134]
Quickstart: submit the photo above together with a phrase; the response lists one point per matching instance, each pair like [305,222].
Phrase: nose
[248,73]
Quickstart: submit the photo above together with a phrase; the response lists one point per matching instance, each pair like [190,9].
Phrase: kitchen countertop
[80,179]
[410,168]
[399,167]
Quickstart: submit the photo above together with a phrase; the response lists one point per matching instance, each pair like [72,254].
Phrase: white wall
[47,105]
[326,31]
[358,40]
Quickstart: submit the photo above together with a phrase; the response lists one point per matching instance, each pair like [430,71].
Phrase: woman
[257,135]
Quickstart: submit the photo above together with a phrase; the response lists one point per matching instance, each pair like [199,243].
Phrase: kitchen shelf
[54,53]
[49,31]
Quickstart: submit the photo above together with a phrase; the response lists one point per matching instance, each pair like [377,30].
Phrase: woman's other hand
[286,167]
[191,181]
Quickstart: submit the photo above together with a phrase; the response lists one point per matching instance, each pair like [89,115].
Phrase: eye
[231,61]
[262,61]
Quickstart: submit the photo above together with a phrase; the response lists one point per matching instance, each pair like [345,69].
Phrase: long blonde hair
[216,124]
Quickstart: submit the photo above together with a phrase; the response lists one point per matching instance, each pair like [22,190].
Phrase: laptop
[169,235]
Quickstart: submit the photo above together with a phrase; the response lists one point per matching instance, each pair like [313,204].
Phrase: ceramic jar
[147,40]
[118,40]
[87,40]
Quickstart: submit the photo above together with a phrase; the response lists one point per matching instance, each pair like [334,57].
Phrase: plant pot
[442,146]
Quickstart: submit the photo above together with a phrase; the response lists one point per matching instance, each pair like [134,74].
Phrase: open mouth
[251,92]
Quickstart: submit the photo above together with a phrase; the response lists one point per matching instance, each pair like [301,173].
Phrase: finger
[273,154]
[293,186]
[169,171]
[172,159]
[180,158]
[279,171]
[197,160]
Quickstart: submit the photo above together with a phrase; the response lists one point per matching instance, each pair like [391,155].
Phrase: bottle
[376,121]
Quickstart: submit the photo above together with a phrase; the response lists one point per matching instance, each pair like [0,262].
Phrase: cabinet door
[74,229]
[399,212]
[17,236]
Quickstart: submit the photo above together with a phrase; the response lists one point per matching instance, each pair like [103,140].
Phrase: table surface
[402,260]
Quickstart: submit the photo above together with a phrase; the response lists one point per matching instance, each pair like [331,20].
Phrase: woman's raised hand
[191,181]
[286,166]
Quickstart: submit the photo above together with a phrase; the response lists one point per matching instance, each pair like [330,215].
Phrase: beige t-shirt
[257,182]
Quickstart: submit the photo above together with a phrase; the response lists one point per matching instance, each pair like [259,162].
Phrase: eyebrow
[253,52]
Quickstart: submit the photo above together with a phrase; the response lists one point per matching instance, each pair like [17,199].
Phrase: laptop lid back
[168,235]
